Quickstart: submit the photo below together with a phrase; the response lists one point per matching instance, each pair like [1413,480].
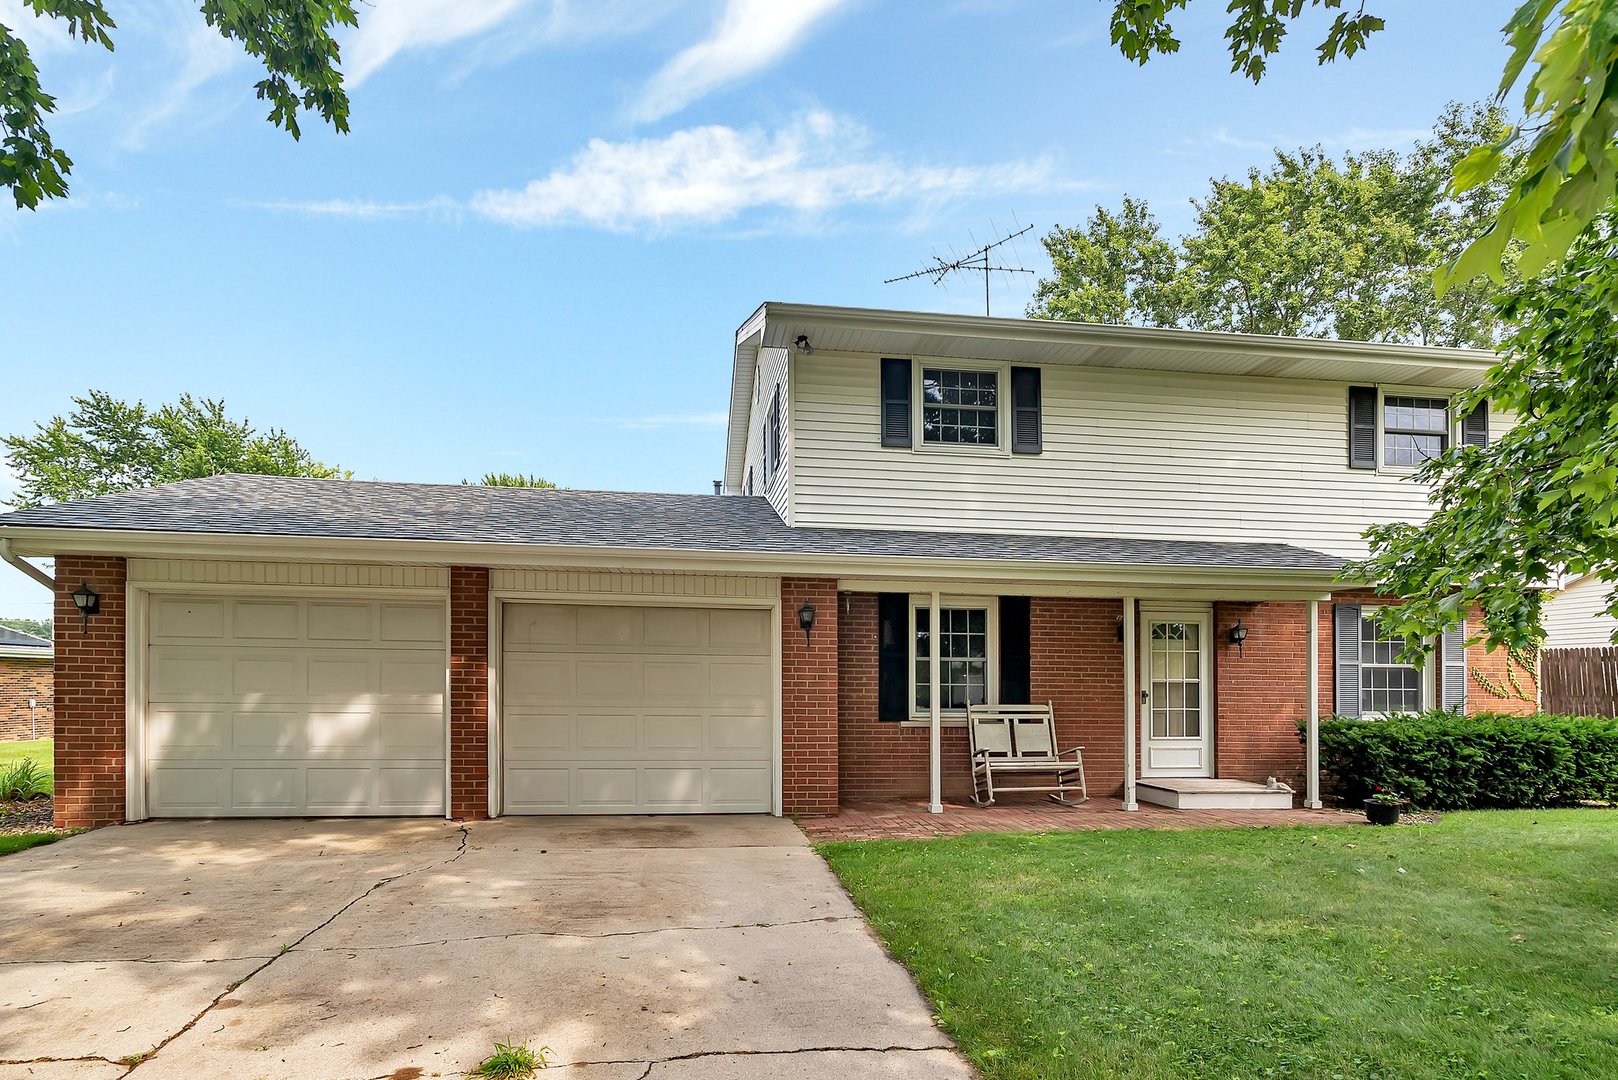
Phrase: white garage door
[613,710]
[296,706]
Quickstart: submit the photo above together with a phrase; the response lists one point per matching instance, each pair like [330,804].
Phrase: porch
[910,819]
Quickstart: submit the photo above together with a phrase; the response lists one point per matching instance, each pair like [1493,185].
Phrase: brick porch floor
[909,819]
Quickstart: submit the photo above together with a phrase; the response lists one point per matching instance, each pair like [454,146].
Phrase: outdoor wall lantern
[1238,636]
[806,620]
[801,343]
[88,601]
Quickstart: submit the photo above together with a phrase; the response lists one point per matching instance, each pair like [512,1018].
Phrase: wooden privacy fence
[1579,682]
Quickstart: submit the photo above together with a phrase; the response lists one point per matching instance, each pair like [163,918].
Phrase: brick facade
[90,695]
[469,692]
[809,695]
[24,679]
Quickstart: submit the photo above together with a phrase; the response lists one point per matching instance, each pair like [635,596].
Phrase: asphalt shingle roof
[16,639]
[283,506]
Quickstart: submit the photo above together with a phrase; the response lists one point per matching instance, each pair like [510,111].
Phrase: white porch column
[1131,697]
[1311,785]
[935,804]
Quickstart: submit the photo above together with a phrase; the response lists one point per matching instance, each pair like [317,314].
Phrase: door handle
[1144,697]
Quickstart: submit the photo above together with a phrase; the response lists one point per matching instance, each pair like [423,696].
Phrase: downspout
[25,566]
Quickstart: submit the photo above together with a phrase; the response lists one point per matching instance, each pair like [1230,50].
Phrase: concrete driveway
[635,948]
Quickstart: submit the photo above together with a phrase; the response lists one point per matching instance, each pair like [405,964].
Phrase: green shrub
[1443,761]
[25,779]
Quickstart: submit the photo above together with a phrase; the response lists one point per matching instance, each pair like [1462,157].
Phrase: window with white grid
[963,657]
[1174,661]
[1387,683]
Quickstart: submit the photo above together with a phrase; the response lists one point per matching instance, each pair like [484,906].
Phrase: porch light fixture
[801,343]
[88,601]
[1238,636]
[806,620]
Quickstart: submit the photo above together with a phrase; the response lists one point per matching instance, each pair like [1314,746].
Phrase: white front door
[1176,720]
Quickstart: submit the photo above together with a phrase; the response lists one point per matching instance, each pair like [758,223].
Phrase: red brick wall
[90,695]
[809,695]
[1261,690]
[21,679]
[469,692]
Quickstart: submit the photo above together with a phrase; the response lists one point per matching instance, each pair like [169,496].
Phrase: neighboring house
[25,686]
[1090,516]
[1576,614]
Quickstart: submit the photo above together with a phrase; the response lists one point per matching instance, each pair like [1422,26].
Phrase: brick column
[90,695]
[809,699]
[469,692]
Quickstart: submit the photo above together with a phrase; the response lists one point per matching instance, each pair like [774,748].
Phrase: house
[1143,527]
[1576,614]
[25,686]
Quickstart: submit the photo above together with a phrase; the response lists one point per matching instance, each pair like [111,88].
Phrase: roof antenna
[978,262]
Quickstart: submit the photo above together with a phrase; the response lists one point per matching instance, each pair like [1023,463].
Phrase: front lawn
[41,750]
[1482,946]
[11,843]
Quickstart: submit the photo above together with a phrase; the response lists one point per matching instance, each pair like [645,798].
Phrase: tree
[293,38]
[106,445]
[1309,246]
[40,628]
[1542,497]
[1563,152]
[503,479]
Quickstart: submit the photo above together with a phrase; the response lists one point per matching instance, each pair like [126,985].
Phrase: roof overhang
[1095,579]
[878,332]
[25,652]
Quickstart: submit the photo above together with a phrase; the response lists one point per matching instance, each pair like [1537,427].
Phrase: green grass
[41,750]
[1483,946]
[512,1062]
[13,843]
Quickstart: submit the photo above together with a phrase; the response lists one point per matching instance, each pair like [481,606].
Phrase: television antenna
[981,261]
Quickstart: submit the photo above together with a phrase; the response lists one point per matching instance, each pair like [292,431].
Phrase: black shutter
[1362,427]
[1475,426]
[892,656]
[1015,676]
[1025,411]
[1345,632]
[775,430]
[1452,660]
[895,402]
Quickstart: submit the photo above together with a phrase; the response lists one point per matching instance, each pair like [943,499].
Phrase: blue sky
[532,251]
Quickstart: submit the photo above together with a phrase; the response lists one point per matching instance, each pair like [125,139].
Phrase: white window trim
[951,717]
[918,441]
[1428,672]
[1452,423]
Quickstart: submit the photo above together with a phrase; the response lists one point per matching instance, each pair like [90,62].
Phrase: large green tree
[106,445]
[505,479]
[293,39]
[1311,245]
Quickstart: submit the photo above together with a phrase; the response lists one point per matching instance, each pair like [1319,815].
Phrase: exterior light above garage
[88,601]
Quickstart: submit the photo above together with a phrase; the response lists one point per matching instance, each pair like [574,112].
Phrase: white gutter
[253,546]
[26,567]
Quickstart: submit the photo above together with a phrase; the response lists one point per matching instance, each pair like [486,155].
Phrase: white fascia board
[1057,332]
[242,547]
[24,652]
[744,366]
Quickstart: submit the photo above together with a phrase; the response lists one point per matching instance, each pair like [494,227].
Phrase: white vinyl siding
[1577,615]
[773,482]
[1171,455]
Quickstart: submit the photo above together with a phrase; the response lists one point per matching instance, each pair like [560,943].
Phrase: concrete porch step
[1203,793]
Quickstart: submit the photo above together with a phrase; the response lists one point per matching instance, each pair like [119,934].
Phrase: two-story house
[1142,527]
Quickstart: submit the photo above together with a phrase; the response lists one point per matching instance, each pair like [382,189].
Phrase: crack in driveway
[584,936]
[460,850]
[696,1055]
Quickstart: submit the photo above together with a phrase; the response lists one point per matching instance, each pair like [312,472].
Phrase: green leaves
[106,446]
[1310,245]
[1141,30]
[292,37]
[1542,498]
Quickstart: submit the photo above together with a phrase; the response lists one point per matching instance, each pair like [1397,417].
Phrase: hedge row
[1443,761]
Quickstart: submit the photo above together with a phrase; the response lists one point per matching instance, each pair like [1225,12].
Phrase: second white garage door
[613,710]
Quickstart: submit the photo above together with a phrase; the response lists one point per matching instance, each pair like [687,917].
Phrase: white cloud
[361,208]
[709,174]
[1354,138]
[669,420]
[204,56]
[392,26]
[750,35]
[41,35]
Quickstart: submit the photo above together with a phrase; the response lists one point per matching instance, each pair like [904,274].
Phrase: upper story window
[1414,429]
[1388,684]
[960,406]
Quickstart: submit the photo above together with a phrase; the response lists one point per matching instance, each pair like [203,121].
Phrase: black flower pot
[1382,813]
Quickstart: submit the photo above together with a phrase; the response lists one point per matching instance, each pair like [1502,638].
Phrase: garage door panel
[333,719]
[623,710]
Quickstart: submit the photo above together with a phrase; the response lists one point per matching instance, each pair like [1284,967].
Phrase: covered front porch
[1185,695]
